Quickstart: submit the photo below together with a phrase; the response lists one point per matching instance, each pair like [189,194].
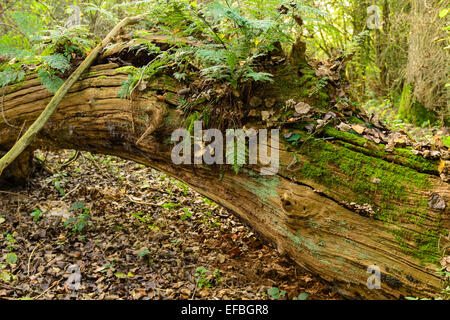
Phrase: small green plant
[443,273]
[235,155]
[217,277]
[146,219]
[5,275]
[11,258]
[9,241]
[170,192]
[184,187]
[202,281]
[446,293]
[205,279]
[11,76]
[209,220]
[140,216]
[58,179]
[77,224]
[138,76]
[170,205]
[275,293]
[143,252]
[209,202]
[187,214]
[321,83]
[201,274]
[107,266]
[446,141]
[153,227]
[301,296]
[37,215]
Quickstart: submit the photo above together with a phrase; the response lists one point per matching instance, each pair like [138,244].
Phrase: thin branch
[3,111]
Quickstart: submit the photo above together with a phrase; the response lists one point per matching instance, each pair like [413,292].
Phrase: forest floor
[135,234]
[388,114]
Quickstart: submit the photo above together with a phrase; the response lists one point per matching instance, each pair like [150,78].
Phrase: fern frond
[57,61]
[49,80]
[8,77]
[259,76]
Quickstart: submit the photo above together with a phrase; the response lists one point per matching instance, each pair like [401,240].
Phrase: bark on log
[303,209]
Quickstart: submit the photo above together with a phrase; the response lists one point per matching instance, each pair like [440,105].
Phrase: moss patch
[400,156]
[340,168]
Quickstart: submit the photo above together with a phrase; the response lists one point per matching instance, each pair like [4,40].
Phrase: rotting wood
[307,218]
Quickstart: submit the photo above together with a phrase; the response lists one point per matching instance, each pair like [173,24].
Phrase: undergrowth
[49,52]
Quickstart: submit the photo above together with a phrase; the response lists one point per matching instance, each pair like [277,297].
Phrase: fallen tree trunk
[305,209]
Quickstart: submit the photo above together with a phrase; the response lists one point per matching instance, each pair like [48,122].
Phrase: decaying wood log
[306,209]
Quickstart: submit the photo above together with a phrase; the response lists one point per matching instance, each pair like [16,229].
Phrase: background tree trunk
[305,209]
[427,59]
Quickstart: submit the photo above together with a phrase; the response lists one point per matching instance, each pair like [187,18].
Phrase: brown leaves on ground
[146,236]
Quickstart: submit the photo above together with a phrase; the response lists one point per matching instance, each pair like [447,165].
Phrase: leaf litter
[134,233]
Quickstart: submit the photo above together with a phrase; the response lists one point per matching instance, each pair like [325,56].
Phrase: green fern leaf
[259,76]
[11,76]
[50,81]
[57,61]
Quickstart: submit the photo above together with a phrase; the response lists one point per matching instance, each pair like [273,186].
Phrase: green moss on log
[372,180]
[400,156]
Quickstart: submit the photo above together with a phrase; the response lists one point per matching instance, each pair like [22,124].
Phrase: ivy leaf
[143,252]
[302,296]
[273,291]
[11,258]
